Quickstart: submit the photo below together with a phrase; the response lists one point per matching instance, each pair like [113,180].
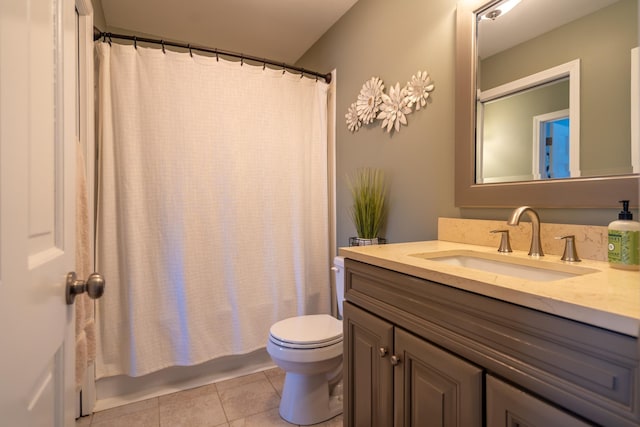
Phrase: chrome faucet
[514,219]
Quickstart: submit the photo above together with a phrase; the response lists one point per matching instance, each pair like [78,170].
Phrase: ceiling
[530,19]
[280,30]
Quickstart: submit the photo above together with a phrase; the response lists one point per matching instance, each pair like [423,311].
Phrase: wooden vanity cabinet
[368,385]
[508,406]
[420,353]
[396,378]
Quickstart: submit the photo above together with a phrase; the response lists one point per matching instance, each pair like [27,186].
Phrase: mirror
[529,129]
[600,168]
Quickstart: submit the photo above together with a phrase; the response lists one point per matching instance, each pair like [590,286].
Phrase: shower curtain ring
[241,59]
[284,68]
[135,42]
[190,51]
[302,73]
[162,43]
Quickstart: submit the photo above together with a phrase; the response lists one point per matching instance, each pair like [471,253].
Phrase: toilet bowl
[309,350]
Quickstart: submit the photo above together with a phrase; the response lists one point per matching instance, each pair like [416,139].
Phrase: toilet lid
[315,329]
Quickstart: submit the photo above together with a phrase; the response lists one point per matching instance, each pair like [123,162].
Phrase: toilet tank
[338,269]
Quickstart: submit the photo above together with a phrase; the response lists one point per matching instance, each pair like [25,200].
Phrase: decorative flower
[353,122]
[369,100]
[394,108]
[418,90]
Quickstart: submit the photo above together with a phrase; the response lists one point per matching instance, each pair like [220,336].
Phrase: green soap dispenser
[624,240]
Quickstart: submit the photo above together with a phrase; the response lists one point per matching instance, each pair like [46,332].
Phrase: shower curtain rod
[97,34]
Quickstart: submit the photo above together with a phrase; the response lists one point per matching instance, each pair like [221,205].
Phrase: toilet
[309,350]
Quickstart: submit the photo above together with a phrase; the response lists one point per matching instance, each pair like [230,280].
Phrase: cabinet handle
[383,351]
[395,360]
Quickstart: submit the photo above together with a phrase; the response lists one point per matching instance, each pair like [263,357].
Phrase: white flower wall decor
[392,108]
[353,121]
[369,100]
[418,90]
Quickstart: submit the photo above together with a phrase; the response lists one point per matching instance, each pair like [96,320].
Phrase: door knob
[395,360]
[94,286]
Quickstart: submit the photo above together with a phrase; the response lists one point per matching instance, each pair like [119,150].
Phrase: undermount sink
[504,264]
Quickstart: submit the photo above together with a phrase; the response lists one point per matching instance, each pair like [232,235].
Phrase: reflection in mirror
[530,128]
[522,40]
[605,98]
[551,150]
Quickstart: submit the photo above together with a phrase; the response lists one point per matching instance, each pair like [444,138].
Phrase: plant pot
[358,241]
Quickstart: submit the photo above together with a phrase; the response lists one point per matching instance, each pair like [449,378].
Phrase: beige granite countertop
[608,298]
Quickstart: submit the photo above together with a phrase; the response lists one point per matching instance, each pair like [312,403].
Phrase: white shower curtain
[213,206]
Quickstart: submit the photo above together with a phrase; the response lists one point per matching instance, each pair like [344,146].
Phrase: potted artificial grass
[368,212]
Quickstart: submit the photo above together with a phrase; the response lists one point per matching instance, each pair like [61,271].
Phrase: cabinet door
[434,388]
[508,406]
[368,373]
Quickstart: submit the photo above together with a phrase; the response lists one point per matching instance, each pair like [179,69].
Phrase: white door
[37,172]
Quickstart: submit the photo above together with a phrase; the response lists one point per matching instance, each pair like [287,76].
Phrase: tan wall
[98,15]
[393,40]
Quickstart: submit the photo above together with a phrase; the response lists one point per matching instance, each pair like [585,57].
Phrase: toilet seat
[307,332]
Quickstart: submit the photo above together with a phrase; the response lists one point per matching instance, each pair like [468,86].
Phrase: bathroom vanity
[430,342]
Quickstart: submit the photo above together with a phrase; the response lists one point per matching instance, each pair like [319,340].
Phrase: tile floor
[246,401]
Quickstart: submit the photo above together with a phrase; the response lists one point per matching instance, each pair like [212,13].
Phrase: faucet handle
[505,245]
[570,252]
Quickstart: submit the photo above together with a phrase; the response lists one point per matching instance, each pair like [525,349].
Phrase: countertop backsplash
[591,240]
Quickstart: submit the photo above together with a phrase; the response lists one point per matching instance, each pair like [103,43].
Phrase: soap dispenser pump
[624,240]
